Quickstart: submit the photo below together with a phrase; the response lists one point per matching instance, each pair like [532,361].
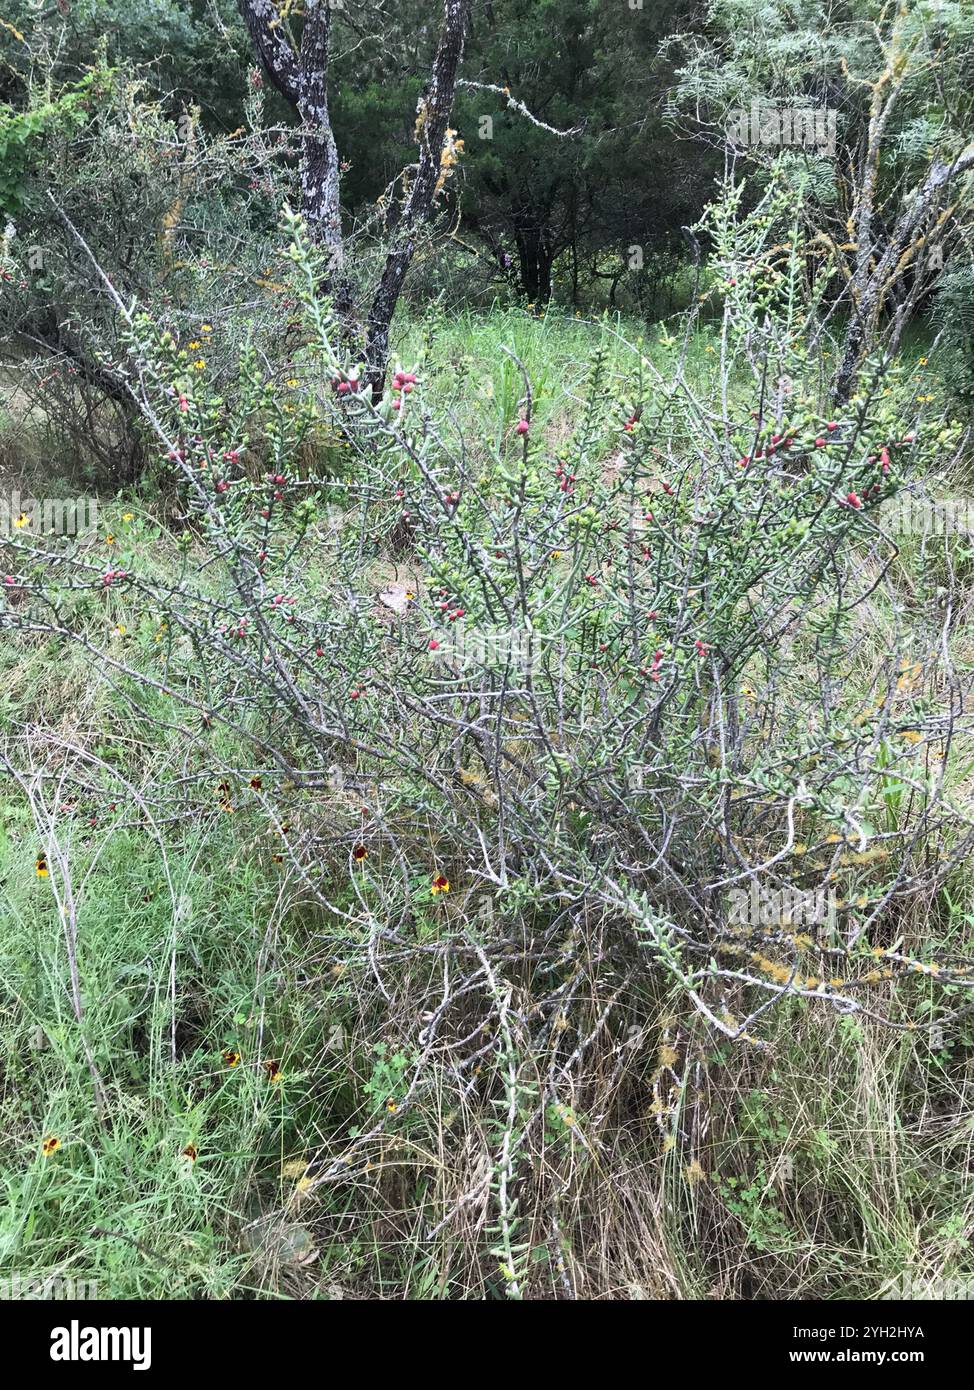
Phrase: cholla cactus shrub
[559,741]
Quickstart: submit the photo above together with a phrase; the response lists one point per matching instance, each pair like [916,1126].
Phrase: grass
[219,1045]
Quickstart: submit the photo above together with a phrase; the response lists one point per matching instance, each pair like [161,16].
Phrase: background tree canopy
[535,204]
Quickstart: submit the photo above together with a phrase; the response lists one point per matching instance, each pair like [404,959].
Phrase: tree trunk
[433,117]
[303,79]
[883,258]
[536,261]
[320,173]
[880,268]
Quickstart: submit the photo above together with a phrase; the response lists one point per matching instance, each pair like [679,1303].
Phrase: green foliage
[22,131]
[954,301]
[189,53]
